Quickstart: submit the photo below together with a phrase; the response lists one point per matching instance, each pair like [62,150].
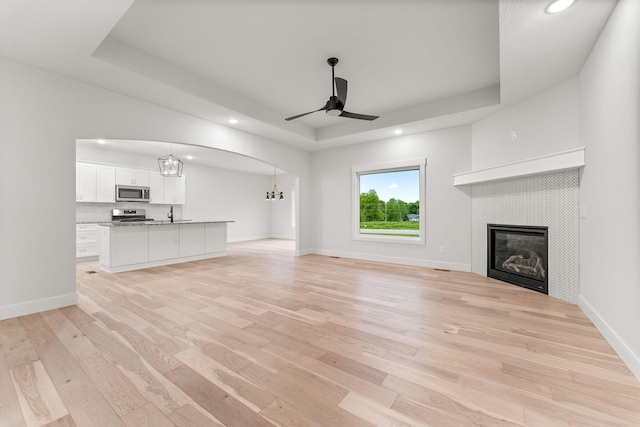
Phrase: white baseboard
[283,237]
[246,239]
[36,306]
[628,357]
[394,260]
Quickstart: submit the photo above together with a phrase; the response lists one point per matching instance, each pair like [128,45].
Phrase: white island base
[142,245]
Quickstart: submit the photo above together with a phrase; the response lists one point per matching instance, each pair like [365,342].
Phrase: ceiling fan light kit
[335,104]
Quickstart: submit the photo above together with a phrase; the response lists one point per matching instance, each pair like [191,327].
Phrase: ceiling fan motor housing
[334,106]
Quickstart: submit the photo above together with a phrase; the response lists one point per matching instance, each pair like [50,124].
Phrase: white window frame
[396,166]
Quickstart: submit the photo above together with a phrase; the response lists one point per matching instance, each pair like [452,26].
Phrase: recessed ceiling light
[559,5]
[189,157]
[233,121]
[101,141]
[397,132]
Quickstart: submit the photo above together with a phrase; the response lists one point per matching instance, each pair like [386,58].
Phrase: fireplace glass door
[518,255]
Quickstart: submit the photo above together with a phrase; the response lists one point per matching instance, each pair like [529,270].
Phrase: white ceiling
[419,64]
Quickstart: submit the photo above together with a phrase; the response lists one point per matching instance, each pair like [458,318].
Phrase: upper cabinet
[97,183]
[128,176]
[106,184]
[85,182]
[175,190]
[156,186]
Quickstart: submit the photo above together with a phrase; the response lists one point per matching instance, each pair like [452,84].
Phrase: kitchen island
[126,246]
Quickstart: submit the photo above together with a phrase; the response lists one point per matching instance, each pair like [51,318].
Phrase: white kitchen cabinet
[163,242]
[87,242]
[175,190]
[215,237]
[156,186]
[97,183]
[191,239]
[139,245]
[106,184]
[129,246]
[85,182]
[128,176]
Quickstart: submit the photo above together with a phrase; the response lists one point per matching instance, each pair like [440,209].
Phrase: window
[388,202]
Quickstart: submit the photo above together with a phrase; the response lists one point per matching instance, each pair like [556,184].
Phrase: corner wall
[448,208]
[41,116]
[610,187]
[546,123]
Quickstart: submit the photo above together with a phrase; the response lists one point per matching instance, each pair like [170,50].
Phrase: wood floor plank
[119,392]
[188,416]
[147,416]
[39,399]
[72,338]
[66,421]
[218,402]
[283,414]
[37,329]
[351,366]
[153,354]
[81,398]
[16,345]
[309,404]
[10,410]
[226,379]
[262,337]
[423,401]
[151,385]
[382,395]
[379,415]
[76,315]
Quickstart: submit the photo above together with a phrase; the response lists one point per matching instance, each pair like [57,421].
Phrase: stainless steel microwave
[130,193]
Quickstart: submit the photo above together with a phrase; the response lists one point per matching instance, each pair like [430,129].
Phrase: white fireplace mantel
[565,160]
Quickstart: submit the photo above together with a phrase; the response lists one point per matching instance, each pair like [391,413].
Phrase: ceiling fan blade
[357,116]
[341,86]
[304,114]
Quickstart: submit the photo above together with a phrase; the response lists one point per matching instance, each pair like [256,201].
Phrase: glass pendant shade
[170,166]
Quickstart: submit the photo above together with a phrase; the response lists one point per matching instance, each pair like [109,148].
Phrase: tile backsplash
[101,212]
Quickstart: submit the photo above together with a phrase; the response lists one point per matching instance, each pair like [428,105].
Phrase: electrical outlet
[583,211]
[443,250]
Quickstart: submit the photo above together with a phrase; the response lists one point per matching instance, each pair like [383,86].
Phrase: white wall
[610,187]
[544,124]
[41,116]
[282,210]
[448,209]
[232,195]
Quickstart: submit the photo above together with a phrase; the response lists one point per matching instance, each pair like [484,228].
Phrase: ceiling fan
[335,104]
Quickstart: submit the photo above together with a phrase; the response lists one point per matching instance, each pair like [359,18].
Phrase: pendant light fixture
[274,194]
[170,165]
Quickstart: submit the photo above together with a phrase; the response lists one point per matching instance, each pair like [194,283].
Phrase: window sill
[380,238]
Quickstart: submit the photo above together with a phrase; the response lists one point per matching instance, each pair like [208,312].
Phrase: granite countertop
[163,222]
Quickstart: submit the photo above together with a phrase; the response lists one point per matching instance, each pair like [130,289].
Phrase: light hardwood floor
[261,338]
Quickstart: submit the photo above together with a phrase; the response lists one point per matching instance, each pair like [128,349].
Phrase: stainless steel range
[129,215]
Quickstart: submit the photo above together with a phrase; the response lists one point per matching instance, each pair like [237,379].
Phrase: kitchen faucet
[170,214]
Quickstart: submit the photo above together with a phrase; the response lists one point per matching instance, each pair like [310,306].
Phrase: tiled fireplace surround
[551,200]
